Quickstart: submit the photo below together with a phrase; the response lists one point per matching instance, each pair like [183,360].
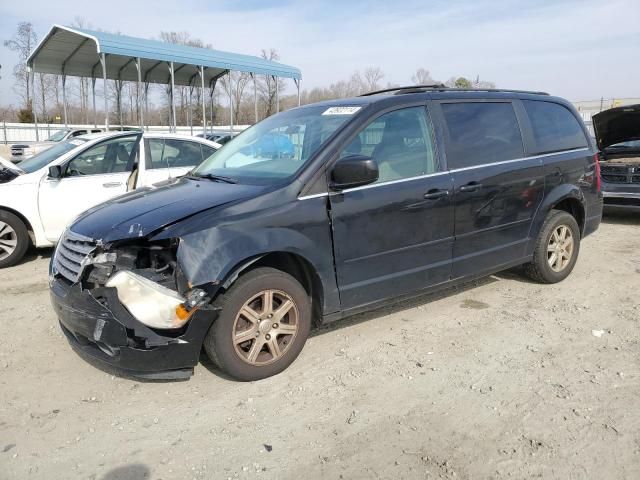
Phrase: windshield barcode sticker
[341,110]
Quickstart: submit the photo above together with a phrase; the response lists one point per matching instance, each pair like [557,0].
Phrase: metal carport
[78,52]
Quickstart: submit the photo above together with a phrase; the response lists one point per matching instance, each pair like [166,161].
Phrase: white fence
[26,132]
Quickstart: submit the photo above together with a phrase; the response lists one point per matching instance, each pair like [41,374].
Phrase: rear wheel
[556,250]
[264,322]
[14,239]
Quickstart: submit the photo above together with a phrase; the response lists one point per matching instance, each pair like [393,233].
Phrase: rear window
[481,133]
[555,128]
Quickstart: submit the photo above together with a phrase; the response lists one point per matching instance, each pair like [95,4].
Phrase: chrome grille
[620,174]
[71,252]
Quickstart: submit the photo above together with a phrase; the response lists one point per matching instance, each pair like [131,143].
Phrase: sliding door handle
[112,184]
[471,187]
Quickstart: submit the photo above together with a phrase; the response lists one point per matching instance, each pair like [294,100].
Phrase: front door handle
[471,187]
[112,184]
[435,194]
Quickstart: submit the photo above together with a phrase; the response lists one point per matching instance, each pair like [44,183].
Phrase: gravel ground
[500,379]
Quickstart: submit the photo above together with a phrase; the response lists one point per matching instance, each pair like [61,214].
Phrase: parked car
[20,152]
[220,138]
[618,136]
[388,195]
[53,187]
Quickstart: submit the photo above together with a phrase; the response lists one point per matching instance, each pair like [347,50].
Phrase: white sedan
[55,186]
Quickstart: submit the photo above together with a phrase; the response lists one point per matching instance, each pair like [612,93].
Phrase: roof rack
[438,87]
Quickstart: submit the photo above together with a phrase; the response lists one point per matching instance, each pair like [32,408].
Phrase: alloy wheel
[560,248]
[265,327]
[8,240]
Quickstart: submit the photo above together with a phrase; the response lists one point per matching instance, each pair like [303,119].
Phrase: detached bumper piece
[98,326]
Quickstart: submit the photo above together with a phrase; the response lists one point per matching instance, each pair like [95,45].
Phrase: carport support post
[204,113]
[139,105]
[146,100]
[190,110]
[64,98]
[255,97]
[212,87]
[173,87]
[277,95]
[298,87]
[103,62]
[93,94]
[230,105]
[33,108]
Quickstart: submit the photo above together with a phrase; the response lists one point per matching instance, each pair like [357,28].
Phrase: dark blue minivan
[372,198]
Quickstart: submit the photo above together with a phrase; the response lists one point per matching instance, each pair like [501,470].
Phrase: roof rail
[438,87]
[417,88]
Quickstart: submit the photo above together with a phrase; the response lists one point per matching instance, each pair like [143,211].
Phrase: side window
[154,148]
[400,142]
[168,153]
[481,133]
[555,128]
[182,153]
[78,133]
[111,156]
[207,151]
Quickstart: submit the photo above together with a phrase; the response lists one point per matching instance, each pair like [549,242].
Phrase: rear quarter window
[481,132]
[555,128]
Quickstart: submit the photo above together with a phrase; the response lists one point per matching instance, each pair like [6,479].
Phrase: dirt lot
[503,379]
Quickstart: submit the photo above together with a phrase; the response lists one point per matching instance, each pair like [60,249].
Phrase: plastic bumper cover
[98,326]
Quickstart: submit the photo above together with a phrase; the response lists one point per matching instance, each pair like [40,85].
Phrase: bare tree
[372,77]
[22,42]
[181,93]
[422,77]
[234,84]
[267,85]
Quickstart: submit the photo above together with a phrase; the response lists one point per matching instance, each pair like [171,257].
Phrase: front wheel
[556,250]
[14,239]
[264,322]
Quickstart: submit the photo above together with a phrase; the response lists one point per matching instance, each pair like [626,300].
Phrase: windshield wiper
[215,178]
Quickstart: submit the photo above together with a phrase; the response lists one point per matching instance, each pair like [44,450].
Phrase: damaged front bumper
[98,326]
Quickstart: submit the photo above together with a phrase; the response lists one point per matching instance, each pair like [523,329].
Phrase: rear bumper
[99,328]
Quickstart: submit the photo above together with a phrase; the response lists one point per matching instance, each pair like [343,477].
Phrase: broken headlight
[150,303]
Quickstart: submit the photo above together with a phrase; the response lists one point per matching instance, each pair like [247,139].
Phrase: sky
[580,50]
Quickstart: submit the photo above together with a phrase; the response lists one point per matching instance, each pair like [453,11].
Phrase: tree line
[235,89]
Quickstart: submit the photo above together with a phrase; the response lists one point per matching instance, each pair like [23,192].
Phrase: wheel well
[23,219]
[300,269]
[574,208]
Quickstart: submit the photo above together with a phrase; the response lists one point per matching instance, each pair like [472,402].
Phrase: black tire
[20,235]
[539,269]
[219,343]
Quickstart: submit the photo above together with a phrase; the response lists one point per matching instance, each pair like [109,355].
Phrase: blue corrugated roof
[75,50]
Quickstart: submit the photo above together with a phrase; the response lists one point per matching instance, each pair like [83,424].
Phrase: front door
[95,175]
[394,236]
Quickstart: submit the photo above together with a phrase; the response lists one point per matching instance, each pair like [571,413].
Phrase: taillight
[597,173]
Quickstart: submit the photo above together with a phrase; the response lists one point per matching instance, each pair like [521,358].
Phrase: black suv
[365,200]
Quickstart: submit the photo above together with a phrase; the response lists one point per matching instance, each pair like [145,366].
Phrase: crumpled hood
[144,211]
[616,125]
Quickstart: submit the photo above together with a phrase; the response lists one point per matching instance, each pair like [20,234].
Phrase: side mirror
[353,171]
[55,171]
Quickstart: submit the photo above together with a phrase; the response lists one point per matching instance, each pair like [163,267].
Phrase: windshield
[630,144]
[58,136]
[276,148]
[49,155]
